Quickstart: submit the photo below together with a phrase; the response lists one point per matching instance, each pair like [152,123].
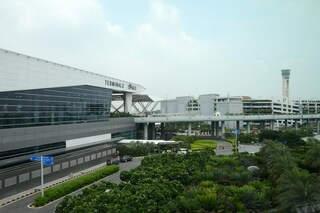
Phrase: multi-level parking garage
[48,108]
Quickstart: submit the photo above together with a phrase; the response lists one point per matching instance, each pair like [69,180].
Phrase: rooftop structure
[285,83]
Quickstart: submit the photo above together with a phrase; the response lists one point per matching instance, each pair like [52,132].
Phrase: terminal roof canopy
[23,72]
[135,98]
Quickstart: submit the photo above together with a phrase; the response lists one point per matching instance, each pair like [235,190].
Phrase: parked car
[126,158]
[113,161]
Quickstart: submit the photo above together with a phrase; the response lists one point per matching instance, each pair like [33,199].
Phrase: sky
[175,47]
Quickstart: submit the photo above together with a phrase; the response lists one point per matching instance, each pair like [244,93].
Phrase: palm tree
[281,164]
[313,157]
[277,159]
[298,189]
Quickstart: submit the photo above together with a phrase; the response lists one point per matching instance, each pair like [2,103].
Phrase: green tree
[313,157]
[297,189]
[268,134]
[246,138]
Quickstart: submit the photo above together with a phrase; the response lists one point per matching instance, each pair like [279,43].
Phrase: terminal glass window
[54,106]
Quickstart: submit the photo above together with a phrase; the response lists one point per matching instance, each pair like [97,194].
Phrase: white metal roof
[22,72]
[156,142]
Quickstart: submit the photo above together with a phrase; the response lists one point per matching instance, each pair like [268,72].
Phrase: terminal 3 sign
[120,85]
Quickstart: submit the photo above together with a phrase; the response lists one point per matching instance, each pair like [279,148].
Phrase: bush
[71,186]
[136,149]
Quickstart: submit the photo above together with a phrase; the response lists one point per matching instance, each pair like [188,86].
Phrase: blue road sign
[46,160]
[35,158]
[236,131]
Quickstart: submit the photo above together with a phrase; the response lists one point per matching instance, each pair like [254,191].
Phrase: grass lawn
[201,144]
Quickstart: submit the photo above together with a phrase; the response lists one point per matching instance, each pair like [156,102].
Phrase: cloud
[159,53]
[78,33]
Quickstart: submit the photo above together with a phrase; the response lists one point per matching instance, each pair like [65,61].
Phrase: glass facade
[54,106]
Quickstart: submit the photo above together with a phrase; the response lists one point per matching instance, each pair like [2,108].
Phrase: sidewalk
[37,189]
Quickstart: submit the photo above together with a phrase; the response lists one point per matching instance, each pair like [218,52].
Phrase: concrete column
[318,126]
[212,129]
[272,124]
[238,125]
[145,131]
[162,130]
[223,128]
[189,129]
[152,131]
[286,123]
[248,127]
[217,128]
[296,124]
[127,99]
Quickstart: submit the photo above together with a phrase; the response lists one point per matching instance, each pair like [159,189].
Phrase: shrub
[68,187]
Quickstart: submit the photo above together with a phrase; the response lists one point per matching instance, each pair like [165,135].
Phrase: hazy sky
[175,47]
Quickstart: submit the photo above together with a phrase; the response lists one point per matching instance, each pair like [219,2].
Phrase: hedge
[71,186]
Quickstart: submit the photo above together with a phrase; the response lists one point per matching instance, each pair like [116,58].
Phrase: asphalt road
[223,148]
[21,206]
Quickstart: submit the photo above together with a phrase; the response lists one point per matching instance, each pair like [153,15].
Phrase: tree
[313,157]
[268,134]
[246,138]
[292,138]
[277,158]
[297,189]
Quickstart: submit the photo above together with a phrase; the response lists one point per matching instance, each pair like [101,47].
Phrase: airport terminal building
[52,109]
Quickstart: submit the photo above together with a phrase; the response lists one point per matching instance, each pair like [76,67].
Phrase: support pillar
[272,125]
[152,131]
[248,127]
[318,126]
[217,128]
[162,130]
[296,124]
[238,125]
[127,99]
[286,123]
[145,131]
[223,128]
[212,129]
[189,129]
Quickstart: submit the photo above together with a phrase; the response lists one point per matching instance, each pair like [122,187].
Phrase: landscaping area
[202,144]
[280,178]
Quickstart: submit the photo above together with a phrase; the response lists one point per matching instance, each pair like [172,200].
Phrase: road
[223,148]
[21,206]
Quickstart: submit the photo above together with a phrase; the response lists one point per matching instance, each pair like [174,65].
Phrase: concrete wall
[206,104]
[168,106]
[182,104]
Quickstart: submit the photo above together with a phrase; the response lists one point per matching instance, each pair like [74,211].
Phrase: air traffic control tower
[285,83]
